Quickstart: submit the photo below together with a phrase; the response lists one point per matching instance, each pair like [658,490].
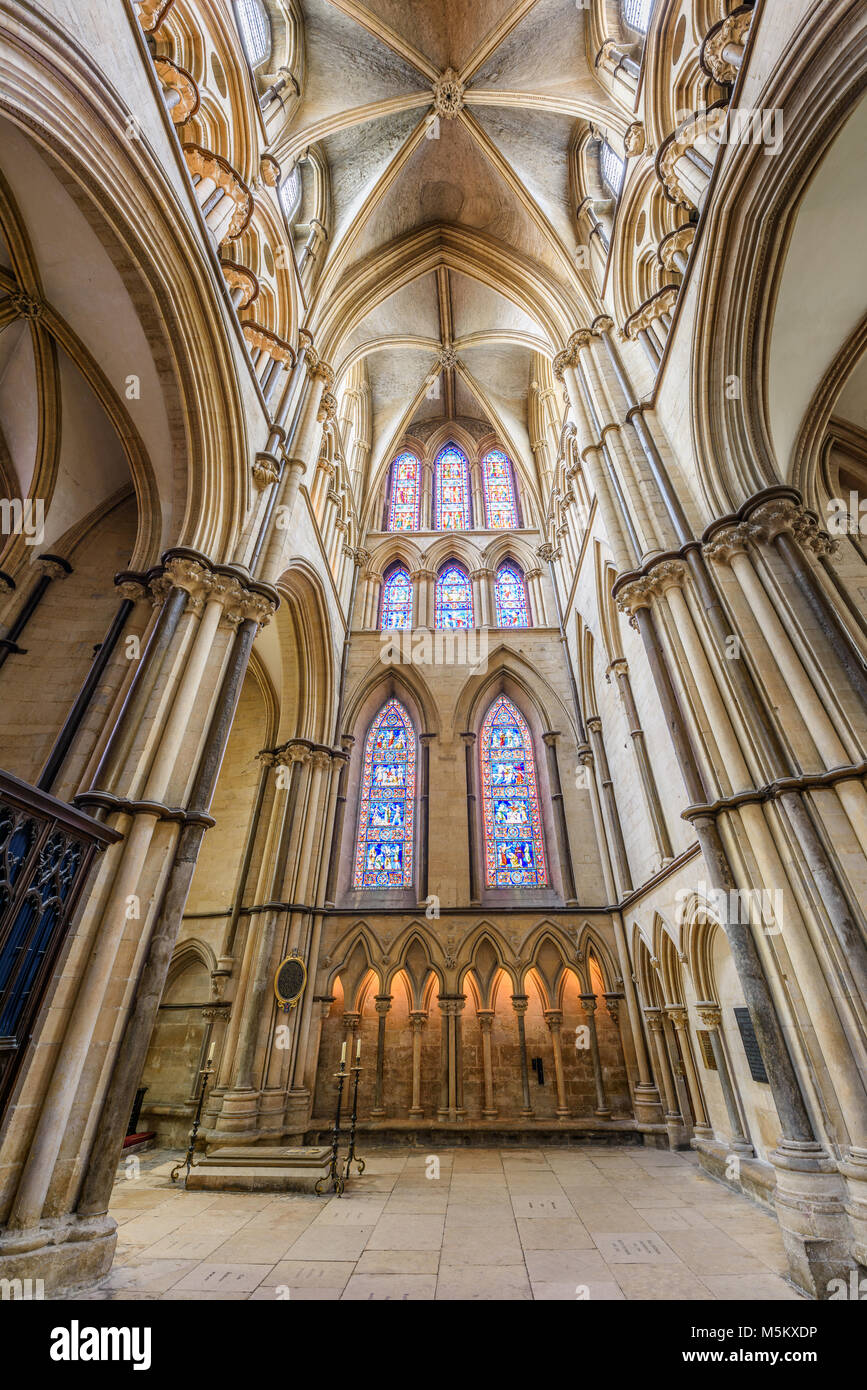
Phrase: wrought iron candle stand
[351,1155]
[187,1161]
[333,1178]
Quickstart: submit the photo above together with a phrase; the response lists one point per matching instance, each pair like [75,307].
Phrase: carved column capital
[729,541]
[710,1013]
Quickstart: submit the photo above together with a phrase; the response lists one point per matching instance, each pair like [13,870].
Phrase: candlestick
[187,1161]
[333,1177]
[350,1155]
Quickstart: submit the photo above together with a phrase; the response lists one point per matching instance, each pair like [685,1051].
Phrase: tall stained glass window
[498,484]
[514,853]
[637,13]
[383,851]
[403,506]
[452,489]
[511,596]
[255,29]
[454,597]
[396,607]
[612,166]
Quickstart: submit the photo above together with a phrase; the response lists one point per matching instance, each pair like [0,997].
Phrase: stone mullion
[550,741]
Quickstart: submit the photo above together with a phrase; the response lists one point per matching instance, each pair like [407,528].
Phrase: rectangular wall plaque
[751,1045]
[706,1046]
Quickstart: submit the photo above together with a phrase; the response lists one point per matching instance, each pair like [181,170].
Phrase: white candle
[343,1055]
[211,1055]
[358,1051]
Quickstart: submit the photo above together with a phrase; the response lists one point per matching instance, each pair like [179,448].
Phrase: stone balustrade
[180,92]
[223,196]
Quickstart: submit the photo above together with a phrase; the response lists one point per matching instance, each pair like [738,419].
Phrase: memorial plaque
[289,981]
[751,1045]
[706,1046]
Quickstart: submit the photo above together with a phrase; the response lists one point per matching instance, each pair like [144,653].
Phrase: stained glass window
[452,489]
[454,597]
[637,13]
[383,851]
[511,597]
[612,166]
[396,611]
[290,193]
[405,494]
[255,30]
[514,853]
[498,483]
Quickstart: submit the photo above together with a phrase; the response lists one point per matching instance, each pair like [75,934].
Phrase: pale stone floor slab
[594,1223]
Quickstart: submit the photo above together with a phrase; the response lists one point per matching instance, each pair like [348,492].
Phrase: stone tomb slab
[273,1168]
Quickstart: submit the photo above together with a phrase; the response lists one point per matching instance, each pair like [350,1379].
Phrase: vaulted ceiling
[447,128]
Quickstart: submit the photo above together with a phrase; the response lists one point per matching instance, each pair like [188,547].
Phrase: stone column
[486,1024]
[417,1021]
[594,728]
[351,1025]
[519,1004]
[383,1004]
[458,1062]
[554,1020]
[711,1016]
[425,510]
[645,770]
[550,741]
[674,1121]
[469,741]
[603,1109]
[680,1019]
[424,818]
[443,1107]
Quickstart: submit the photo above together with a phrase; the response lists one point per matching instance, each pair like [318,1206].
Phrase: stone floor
[598,1223]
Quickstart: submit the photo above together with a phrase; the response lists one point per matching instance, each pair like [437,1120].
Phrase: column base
[678,1138]
[59,1256]
[854,1170]
[600,1114]
[565,1114]
[646,1105]
[379,1114]
[415,1112]
[489,1114]
[809,1200]
[527,1114]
